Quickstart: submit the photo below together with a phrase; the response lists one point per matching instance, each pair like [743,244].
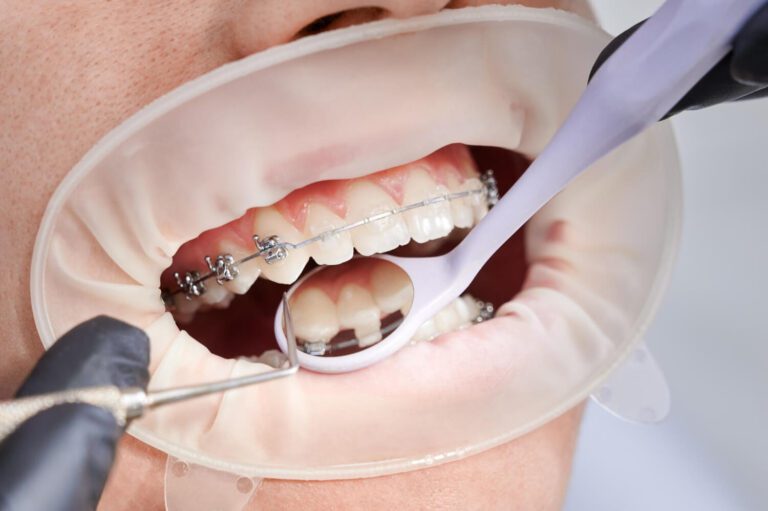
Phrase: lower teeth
[461,313]
[273,358]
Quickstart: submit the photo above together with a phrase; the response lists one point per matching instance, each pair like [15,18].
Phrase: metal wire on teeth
[224,267]
[319,348]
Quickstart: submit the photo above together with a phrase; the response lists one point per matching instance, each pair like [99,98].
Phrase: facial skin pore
[73,70]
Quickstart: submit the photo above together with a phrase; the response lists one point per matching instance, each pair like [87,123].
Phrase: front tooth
[392,289]
[357,310]
[428,222]
[461,209]
[365,199]
[333,249]
[314,315]
[268,222]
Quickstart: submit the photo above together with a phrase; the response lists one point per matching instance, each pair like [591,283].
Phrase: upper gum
[453,159]
[450,164]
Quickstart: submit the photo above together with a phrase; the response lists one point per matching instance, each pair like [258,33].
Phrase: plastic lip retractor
[659,63]
[126,404]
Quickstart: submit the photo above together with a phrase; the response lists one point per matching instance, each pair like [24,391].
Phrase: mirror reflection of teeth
[427,219]
[461,313]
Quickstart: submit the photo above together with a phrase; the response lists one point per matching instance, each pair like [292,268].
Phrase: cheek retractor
[633,89]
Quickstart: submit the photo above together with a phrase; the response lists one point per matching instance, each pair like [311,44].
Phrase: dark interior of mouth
[245,328]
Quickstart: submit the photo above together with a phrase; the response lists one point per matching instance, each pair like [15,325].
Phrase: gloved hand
[742,74]
[59,459]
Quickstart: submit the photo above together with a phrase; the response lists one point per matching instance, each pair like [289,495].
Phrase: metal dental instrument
[127,404]
[632,90]
[224,267]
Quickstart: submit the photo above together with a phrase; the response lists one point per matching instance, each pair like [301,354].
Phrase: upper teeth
[427,218]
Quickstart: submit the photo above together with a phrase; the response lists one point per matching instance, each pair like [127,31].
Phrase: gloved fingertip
[100,351]
[750,51]
[748,69]
[59,459]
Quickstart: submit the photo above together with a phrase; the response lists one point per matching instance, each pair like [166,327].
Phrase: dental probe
[633,89]
[126,404]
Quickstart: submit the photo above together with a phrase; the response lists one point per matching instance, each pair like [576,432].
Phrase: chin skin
[528,473]
[72,71]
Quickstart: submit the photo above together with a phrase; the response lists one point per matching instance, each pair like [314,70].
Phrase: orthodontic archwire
[225,267]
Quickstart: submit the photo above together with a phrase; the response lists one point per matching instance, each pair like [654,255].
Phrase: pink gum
[450,160]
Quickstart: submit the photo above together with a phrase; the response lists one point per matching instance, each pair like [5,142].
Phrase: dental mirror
[341,310]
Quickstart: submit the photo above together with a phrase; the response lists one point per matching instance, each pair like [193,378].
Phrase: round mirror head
[344,309]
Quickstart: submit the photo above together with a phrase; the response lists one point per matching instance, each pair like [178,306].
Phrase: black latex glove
[742,74]
[59,459]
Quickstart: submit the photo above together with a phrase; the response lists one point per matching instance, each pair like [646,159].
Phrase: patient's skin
[74,69]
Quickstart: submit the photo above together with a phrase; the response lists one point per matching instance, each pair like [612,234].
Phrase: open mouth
[327,130]
[233,317]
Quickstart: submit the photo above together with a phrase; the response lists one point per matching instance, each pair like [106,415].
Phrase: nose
[264,23]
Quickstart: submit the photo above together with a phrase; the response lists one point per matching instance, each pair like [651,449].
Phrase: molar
[429,222]
[335,249]
[365,199]
[268,222]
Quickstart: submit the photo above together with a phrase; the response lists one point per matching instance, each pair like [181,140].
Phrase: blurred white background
[710,336]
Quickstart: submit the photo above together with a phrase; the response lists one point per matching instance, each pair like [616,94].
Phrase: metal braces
[224,267]
[319,348]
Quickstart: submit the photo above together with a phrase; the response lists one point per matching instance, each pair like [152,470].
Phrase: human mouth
[422,206]
[240,151]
